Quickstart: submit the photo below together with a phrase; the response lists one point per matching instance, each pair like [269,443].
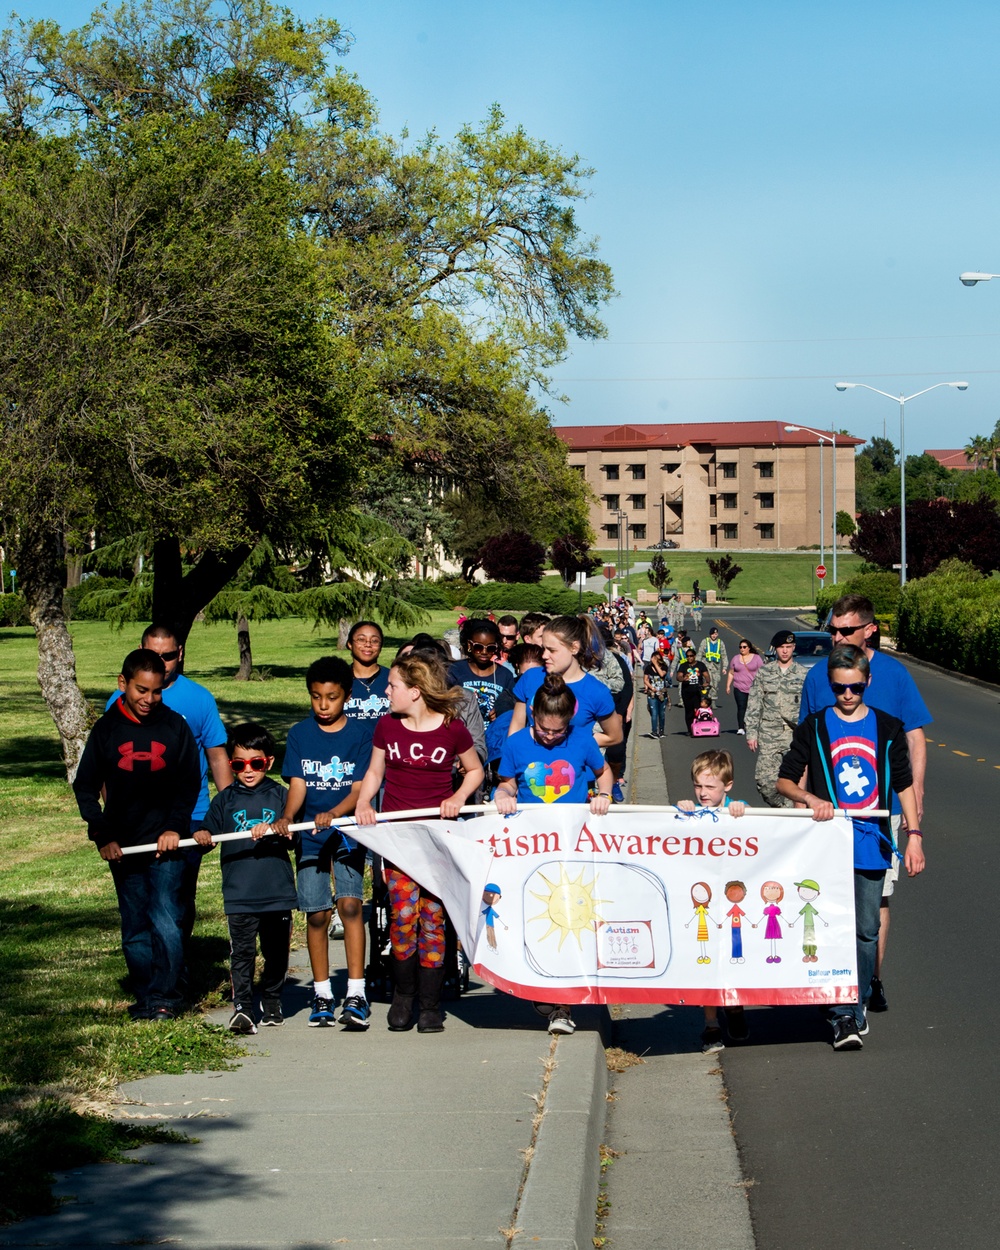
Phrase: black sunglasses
[843,630]
[169,656]
[855,687]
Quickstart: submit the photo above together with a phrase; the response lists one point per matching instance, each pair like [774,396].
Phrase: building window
[766,499]
[729,501]
[638,472]
[767,531]
[611,502]
[730,533]
[671,466]
[612,472]
[580,468]
[638,531]
[728,470]
[766,468]
[611,531]
[638,502]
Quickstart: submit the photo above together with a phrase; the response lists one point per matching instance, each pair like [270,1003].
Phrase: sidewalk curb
[558,1207]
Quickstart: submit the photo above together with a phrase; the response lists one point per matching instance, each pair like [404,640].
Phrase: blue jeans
[867,906]
[152,911]
[657,714]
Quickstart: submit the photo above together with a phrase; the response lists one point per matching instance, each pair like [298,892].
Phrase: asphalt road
[895,1145]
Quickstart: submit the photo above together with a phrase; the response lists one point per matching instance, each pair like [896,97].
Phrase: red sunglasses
[256,765]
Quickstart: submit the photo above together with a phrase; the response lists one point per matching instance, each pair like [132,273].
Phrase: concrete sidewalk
[327,1138]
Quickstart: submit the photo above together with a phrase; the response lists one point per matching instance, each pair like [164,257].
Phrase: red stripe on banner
[595,995]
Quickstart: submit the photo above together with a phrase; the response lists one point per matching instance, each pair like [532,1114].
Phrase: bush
[428,595]
[13,610]
[881,588]
[548,596]
[952,618]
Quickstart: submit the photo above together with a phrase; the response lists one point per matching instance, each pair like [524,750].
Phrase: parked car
[666,544]
[812,646]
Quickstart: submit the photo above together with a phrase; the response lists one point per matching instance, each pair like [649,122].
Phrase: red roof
[710,434]
[954,458]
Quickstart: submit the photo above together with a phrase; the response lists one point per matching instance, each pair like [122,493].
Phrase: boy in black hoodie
[258,886]
[144,758]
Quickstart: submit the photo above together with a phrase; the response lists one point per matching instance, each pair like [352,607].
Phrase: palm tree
[978,450]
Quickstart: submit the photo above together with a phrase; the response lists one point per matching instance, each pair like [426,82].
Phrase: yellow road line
[965,753]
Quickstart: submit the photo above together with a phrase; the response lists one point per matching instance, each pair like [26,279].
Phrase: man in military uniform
[773,713]
[712,653]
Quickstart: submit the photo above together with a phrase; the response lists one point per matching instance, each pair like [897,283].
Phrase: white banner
[650,907]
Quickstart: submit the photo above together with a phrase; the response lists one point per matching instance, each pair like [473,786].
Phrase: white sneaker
[742,733]
[336,929]
[561,1021]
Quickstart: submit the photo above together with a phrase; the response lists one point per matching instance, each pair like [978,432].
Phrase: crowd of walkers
[466,718]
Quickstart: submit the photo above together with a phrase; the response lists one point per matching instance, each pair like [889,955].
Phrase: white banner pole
[434,813]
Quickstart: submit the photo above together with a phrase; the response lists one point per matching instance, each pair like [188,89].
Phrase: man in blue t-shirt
[892,690]
[197,705]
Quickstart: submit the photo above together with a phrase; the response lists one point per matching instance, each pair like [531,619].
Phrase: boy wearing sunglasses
[258,885]
[855,757]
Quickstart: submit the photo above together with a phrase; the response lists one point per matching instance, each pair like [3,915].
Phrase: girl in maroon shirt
[414,752]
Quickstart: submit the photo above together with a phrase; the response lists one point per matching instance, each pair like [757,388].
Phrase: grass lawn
[64,1039]
[768,580]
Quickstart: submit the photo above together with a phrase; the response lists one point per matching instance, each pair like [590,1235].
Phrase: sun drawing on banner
[570,906]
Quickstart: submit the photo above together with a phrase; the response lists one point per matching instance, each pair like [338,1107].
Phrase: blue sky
[786,191]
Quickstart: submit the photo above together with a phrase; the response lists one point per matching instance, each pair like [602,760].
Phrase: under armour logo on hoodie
[154,755]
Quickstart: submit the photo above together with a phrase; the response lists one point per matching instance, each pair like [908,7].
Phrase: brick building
[742,485]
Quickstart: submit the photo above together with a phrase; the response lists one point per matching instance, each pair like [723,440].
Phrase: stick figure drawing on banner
[701,896]
[736,892]
[490,896]
[772,894]
[808,893]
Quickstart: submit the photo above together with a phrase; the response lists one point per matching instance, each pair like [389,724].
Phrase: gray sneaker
[560,1021]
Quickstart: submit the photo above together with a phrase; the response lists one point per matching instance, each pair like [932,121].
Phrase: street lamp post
[622,518]
[824,438]
[903,400]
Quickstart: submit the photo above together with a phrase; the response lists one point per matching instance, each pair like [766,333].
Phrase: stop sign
[821,571]
[609,571]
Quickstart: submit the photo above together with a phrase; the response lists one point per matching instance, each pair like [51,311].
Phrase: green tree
[724,572]
[658,573]
[845,524]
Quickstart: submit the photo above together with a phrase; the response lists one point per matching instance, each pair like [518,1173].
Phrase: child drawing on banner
[490,896]
[552,761]
[712,779]
[808,893]
[772,894]
[736,893]
[701,896]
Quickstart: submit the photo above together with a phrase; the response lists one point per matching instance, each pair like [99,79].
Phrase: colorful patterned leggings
[417,921]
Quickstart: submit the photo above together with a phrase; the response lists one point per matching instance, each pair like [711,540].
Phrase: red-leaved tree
[936,530]
[571,555]
[512,557]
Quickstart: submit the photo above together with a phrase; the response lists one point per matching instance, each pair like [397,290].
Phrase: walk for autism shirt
[557,774]
[418,766]
[369,699]
[149,771]
[854,768]
[329,762]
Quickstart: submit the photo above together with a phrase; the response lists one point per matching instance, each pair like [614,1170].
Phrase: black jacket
[151,774]
[811,750]
[256,876]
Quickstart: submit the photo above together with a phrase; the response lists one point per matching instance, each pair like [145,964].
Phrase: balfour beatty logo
[154,756]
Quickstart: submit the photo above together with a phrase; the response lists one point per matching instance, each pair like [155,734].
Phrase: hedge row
[952,618]
[881,588]
[547,596]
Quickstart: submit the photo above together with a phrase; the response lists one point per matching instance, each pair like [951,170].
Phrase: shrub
[13,610]
[952,618]
[881,588]
[428,595]
[74,600]
[549,596]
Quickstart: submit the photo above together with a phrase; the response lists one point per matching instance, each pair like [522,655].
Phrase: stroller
[705,724]
[378,974]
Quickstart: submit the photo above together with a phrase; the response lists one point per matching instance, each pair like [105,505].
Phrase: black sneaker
[863,1031]
[736,1024]
[711,1041]
[321,1015]
[241,1021]
[161,1015]
[845,1034]
[355,1013]
[270,1012]
[877,1002]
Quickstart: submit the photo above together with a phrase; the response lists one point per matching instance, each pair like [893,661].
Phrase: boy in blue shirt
[855,757]
[258,885]
[326,757]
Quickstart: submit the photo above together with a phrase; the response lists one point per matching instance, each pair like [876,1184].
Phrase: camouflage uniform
[772,715]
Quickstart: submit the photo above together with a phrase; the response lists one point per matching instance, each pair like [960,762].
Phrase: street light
[622,518]
[903,400]
[972,277]
[824,438]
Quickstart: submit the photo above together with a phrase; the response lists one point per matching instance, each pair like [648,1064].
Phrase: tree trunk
[343,629]
[42,573]
[243,642]
[178,597]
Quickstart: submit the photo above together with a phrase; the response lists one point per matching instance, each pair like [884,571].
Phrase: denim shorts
[314,862]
